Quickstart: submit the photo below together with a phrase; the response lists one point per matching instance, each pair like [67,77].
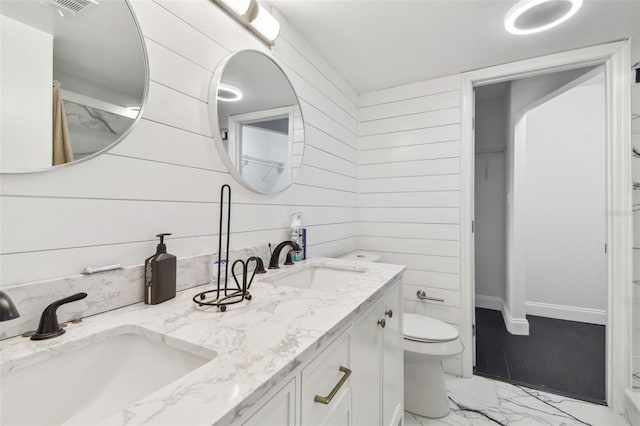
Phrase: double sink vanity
[319,343]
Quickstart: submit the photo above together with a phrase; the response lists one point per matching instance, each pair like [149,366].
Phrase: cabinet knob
[389,313]
[382,323]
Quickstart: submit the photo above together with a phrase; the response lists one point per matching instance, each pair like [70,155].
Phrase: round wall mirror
[73,80]
[255,113]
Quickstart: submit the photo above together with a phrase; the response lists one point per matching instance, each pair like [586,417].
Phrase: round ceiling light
[228,93]
[534,16]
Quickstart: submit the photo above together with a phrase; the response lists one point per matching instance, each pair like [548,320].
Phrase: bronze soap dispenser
[160,275]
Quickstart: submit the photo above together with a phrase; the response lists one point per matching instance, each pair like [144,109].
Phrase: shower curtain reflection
[62,152]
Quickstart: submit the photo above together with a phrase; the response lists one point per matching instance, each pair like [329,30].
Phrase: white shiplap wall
[635,137]
[166,175]
[409,190]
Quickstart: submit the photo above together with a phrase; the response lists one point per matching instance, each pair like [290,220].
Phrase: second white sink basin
[87,384]
[317,277]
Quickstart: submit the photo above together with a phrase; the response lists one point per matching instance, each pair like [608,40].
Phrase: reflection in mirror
[73,79]
[259,121]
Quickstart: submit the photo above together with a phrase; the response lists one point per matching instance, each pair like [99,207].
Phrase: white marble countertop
[258,343]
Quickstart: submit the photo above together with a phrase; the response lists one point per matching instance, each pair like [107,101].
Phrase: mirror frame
[145,94]
[215,123]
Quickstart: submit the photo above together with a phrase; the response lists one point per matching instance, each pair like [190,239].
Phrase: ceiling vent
[72,8]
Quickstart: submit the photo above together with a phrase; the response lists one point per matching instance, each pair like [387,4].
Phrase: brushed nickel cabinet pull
[327,399]
[389,313]
[382,323]
[422,295]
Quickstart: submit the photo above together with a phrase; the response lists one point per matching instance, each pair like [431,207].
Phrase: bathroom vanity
[319,343]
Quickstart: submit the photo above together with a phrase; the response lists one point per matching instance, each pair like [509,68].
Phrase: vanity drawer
[437,296]
[320,377]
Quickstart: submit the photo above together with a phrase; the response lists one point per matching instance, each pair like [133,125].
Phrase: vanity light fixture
[534,16]
[265,24]
[255,16]
[239,7]
[228,93]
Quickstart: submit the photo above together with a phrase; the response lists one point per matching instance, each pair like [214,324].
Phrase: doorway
[540,262]
[615,57]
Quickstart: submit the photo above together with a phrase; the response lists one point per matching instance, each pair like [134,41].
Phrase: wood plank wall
[409,190]
[635,137]
[165,176]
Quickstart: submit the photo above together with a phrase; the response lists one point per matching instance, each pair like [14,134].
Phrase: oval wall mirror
[73,80]
[254,110]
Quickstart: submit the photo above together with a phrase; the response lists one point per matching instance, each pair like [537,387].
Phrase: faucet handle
[259,264]
[49,326]
[8,309]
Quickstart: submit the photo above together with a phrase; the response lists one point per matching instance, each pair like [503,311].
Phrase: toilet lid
[425,329]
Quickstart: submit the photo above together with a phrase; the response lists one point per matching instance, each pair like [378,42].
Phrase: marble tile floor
[478,401]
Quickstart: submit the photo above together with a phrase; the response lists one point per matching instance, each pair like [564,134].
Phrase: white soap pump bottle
[296,235]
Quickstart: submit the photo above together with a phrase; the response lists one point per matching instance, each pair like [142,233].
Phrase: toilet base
[425,393]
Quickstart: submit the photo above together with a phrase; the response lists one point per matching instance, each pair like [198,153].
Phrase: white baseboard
[519,326]
[569,313]
[489,302]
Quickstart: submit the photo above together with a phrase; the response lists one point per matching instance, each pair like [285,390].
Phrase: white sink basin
[87,384]
[317,277]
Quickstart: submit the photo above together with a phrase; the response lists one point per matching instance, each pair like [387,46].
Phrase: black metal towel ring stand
[222,295]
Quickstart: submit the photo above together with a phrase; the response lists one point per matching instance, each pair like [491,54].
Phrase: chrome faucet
[275,256]
[8,310]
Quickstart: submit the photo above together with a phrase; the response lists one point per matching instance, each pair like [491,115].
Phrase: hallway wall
[525,94]
[564,194]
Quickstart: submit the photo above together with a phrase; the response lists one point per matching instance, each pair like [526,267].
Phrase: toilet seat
[420,328]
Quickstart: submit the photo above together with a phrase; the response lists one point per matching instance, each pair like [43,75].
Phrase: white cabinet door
[280,410]
[328,375]
[392,358]
[366,350]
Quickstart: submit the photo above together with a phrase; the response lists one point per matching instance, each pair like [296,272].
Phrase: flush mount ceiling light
[534,16]
[228,93]
[255,16]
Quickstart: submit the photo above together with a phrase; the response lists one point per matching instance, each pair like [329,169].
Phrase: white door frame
[616,59]
[236,121]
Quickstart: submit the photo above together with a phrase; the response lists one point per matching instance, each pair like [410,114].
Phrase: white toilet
[427,342]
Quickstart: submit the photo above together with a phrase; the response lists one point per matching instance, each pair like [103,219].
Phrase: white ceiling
[375,44]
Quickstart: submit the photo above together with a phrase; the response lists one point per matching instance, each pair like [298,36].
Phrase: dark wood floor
[563,357]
